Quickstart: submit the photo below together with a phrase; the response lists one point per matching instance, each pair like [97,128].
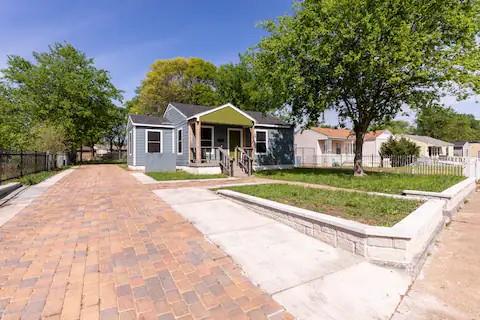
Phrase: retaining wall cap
[427,194]
[456,188]
[352,226]
[448,193]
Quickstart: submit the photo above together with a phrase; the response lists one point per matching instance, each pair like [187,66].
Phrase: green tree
[446,124]
[15,122]
[64,88]
[241,86]
[400,151]
[47,137]
[116,135]
[394,126]
[185,80]
[367,59]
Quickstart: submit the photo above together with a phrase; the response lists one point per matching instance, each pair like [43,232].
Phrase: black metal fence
[17,164]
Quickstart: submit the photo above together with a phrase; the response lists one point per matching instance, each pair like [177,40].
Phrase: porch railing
[226,163]
[244,157]
[208,155]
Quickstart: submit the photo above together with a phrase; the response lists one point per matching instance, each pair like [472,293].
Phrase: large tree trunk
[358,168]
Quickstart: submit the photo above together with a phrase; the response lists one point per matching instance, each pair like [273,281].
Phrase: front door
[234,140]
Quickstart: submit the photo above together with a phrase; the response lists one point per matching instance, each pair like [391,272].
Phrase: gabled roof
[139,119]
[372,135]
[190,110]
[460,143]
[335,133]
[429,140]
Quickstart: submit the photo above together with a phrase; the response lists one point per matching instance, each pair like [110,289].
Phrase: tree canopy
[446,124]
[60,92]
[185,80]
[368,59]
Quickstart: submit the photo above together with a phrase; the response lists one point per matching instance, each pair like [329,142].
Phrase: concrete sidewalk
[449,285]
[309,278]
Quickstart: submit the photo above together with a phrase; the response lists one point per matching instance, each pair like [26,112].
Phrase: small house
[203,139]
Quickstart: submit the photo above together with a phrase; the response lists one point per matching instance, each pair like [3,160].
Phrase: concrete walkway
[309,278]
[449,285]
[17,201]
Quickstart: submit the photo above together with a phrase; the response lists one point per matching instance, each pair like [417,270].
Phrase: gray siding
[180,122]
[141,141]
[280,147]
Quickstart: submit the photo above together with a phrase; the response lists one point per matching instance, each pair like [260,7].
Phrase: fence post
[21,163]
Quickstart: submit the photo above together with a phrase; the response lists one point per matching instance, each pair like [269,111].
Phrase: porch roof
[260,118]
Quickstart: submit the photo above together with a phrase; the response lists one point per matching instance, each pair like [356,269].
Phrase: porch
[221,138]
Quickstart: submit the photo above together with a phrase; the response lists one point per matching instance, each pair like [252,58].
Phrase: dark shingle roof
[189,110]
[152,120]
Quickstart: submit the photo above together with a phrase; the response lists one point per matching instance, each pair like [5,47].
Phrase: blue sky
[125,37]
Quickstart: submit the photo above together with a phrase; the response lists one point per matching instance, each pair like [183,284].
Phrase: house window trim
[213,136]
[130,142]
[266,141]
[179,134]
[146,140]
[228,136]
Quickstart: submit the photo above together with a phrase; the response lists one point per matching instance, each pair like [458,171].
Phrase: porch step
[237,171]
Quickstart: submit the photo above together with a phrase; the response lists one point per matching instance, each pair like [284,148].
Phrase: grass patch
[182,175]
[105,161]
[368,209]
[35,178]
[384,182]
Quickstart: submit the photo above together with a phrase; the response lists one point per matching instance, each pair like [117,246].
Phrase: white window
[179,141]
[261,141]
[153,141]
[130,142]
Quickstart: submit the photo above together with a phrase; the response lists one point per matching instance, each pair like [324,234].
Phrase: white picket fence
[442,165]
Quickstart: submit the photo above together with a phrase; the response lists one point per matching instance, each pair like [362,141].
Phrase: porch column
[198,148]
[252,139]
[190,141]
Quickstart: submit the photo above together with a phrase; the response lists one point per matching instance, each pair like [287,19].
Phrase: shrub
[401,151]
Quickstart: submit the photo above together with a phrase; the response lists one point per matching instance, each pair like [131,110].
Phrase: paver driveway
[99,244]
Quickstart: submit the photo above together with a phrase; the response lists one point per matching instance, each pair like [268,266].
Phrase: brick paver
[99,245]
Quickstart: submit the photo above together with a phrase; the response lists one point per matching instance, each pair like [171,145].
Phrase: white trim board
[146,140]
[228,137]
[198,115]
[255,141]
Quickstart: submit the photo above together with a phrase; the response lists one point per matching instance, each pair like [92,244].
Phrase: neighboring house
[467,149]
[194,138]
[320,141]
[374,140]
[339,141]
[431,147]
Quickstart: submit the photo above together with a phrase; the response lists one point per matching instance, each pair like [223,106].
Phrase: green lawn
[374,181]
[182,175]
[368,209]
[35,178]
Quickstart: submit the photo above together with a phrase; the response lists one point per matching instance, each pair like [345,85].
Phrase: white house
[431,147]
[329,146]
[374,140]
